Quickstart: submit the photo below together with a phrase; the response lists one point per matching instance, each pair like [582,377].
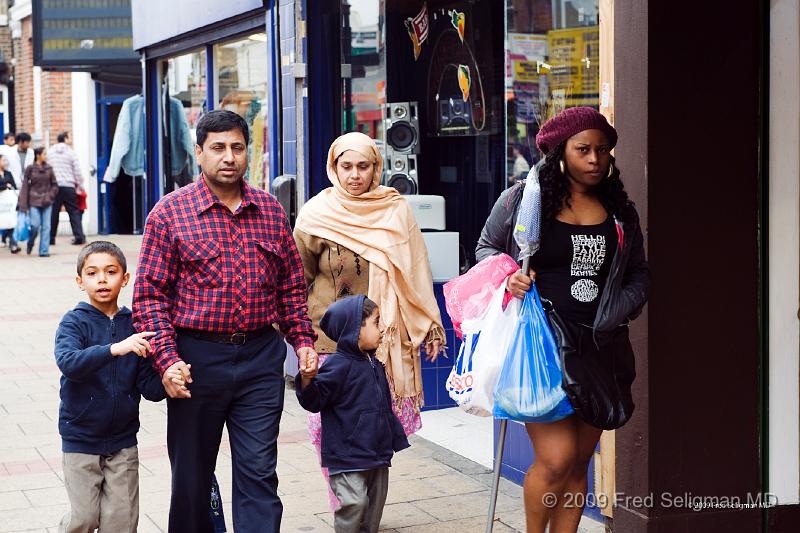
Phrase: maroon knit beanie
[571,122]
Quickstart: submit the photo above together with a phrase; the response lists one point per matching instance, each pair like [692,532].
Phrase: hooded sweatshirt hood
[58,148]
[342,323]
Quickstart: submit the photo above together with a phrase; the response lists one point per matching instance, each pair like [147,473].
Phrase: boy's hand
[175,379]
[309,362]
[136,343]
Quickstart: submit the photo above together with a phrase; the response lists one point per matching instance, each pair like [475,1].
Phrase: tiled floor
[467,435]
[432,487]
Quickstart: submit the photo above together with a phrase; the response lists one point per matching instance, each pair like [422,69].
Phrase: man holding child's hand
[218,267]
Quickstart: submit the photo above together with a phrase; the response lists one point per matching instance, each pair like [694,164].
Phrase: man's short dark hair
[9,135]
[63,136]
[367,310]
[23,137]
[218,121]
[101,247]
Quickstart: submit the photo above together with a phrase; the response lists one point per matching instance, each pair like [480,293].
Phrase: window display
[241,86]
[363,67]
[457,102]
[552,62]
[183,102]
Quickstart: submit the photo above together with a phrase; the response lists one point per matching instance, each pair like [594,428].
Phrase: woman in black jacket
[591,265]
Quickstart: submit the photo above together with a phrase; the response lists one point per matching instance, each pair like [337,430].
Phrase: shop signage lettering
[528,46]
[575,56]
[525,71]
[461,384]
[417,28]
[82,33]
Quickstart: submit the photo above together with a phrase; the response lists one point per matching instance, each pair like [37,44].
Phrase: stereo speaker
[401,124]
[401,171]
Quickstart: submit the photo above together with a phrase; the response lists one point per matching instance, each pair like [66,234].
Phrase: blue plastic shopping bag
[22,231]
[529,386]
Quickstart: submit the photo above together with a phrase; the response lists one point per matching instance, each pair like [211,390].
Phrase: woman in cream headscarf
[359,237]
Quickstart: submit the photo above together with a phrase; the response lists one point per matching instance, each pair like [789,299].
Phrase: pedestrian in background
[7,183]
[65,164]
[360,431]
[7,149]
[218,267]
[20,156]
[591,267]
[359,237]
[104,373]
[522,163]
[39,191]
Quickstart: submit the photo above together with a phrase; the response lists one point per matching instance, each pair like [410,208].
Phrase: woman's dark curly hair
[556,194]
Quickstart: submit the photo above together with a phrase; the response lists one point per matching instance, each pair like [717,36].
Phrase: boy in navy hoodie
[104,372]
[360,432]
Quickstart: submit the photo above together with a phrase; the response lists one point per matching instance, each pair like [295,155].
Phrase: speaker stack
[401,124]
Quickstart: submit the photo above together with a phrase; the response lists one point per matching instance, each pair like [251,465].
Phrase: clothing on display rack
[181,143]
[127,152]
[127,149]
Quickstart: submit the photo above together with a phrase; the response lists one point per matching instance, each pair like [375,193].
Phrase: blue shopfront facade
[329,68]
[222,56]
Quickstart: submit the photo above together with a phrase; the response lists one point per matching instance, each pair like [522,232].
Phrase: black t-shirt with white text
[572,266]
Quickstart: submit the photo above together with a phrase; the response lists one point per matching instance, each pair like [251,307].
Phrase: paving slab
[431,489]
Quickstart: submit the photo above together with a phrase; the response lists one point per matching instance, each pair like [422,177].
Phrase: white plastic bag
[461,380]
[8,209]
[496,331]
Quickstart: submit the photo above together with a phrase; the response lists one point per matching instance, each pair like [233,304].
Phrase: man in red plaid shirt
[218,267]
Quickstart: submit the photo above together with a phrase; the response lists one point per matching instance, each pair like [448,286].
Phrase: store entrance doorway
[120,202]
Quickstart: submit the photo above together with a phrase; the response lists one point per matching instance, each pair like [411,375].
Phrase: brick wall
[56,104]
[23,79]
[56,97]
[6,46]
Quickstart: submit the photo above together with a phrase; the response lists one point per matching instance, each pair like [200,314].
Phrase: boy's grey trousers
[362,496]
[103,492]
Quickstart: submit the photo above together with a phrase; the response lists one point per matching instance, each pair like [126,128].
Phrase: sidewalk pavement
[431,489]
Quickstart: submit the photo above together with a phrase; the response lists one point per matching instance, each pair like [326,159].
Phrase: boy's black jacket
[99,412]
[359,428]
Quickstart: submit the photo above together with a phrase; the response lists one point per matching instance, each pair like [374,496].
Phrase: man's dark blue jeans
[241,387]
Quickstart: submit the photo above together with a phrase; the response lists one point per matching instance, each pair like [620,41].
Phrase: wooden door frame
[605,459]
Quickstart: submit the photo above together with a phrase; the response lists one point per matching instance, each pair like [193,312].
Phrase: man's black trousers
[69,199]
[241,386]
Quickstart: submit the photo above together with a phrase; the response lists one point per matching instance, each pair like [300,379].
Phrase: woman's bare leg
[555,447]
[567,516]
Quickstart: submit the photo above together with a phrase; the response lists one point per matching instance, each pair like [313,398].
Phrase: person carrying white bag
[591,266]
[8,205]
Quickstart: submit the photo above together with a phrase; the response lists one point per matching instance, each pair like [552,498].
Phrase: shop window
[183,102]
[363,66]
[240,77]
[437,67]
[552,62]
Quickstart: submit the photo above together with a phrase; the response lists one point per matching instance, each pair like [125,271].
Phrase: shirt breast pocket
[201,263]
[270,263]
